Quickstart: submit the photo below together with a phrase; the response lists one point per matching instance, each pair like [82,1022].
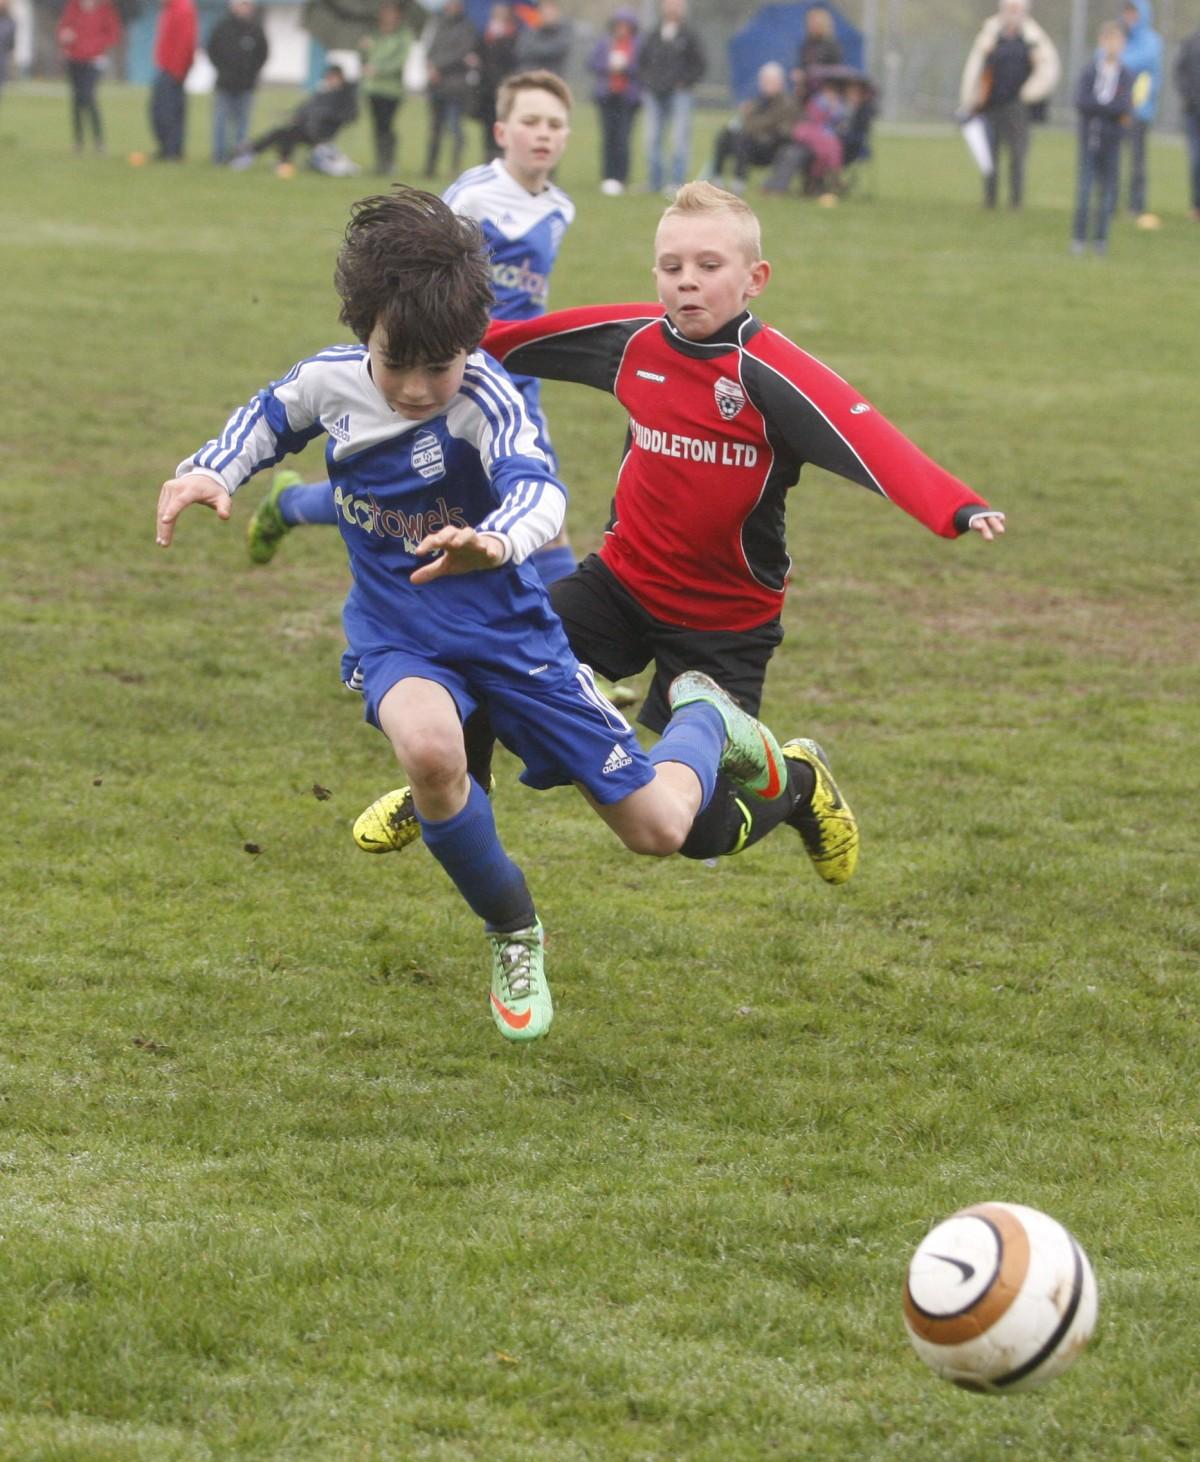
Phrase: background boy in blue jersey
[523,216]
[431,453]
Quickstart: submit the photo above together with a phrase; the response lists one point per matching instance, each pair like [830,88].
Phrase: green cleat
[826,824]
[521,1004]
[390,823]
[266,530]
[752,757]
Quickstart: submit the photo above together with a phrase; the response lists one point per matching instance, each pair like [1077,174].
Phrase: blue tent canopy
[774,34]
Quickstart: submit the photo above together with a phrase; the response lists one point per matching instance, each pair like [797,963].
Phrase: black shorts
[610,631]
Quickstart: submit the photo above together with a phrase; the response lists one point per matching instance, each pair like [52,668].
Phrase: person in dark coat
[1104,102]
[237,48]
[670,63]
[1187,79]
[497,59]
[453,59]
[544,43]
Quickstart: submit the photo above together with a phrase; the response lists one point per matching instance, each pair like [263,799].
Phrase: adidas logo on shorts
[618,757]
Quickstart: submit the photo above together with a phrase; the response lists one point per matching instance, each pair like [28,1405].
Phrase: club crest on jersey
[730,398]
[427,458]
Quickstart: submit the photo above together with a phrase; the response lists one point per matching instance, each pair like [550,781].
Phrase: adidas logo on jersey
[341,428]
[618,757]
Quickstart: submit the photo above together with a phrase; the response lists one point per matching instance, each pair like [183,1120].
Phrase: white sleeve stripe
[219,454]
[500,404]
[523,500]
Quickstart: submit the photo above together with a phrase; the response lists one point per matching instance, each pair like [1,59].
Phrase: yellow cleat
[827,826]
[390,823]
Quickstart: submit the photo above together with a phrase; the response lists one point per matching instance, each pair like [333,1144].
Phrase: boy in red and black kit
[724,411]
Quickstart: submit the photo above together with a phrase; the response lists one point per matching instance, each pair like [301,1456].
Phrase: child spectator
[237,48]
[1142,57]
[443,492]
[87,31]
[384,55]
[723,413]
[815,151]
[1103,98]
[315,123]
[174,52]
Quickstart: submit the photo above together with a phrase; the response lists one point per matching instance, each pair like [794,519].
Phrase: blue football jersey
[523,232]
[476,464]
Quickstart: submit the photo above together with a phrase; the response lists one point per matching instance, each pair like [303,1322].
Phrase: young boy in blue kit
[443,492]
[524,216]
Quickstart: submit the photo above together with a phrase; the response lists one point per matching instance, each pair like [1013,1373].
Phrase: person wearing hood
[1012,66]
[617,94]
[1143,56]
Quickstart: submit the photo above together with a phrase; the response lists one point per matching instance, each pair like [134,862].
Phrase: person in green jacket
[384,54]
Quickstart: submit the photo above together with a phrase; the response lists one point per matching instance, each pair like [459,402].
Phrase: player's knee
[657,837]
[430,761]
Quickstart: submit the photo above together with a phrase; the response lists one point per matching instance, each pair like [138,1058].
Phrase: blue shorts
[555,721]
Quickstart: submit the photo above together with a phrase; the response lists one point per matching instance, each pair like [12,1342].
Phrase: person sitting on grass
[723,412]
[443,492]
[315,123]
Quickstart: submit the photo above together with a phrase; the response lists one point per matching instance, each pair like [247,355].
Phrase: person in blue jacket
[1143,57]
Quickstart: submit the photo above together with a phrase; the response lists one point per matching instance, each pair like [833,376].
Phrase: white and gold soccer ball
[999,1297]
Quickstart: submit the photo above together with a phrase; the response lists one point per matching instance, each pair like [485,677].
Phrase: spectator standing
[1012,66]
[820,46]
[87,30]
[670,63]
[762,126]
[617,93]
[8,41]
[237,48]
[174,52]
[453,61]
[384,55]
[1187,79]
[497,59]
[544,41]
[1143,58]
[1104,100]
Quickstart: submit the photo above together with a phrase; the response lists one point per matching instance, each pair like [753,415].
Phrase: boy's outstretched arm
[178,493]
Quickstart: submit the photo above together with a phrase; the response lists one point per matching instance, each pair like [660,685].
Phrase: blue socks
[553,563]
[308,502]
[468,849]
[694,736]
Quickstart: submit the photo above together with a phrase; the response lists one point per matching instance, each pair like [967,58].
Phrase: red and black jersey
[718,432]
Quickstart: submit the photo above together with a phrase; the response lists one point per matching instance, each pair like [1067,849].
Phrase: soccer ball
[999,1298]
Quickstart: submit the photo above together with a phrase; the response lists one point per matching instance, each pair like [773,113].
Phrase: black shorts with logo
[610,631]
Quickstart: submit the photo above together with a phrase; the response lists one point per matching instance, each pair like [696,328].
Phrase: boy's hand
[462,551]
[987,525]
[180,492]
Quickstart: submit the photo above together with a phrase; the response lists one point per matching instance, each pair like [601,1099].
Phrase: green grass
[270,1183]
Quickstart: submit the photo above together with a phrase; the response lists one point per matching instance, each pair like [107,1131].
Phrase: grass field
[271,1185]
